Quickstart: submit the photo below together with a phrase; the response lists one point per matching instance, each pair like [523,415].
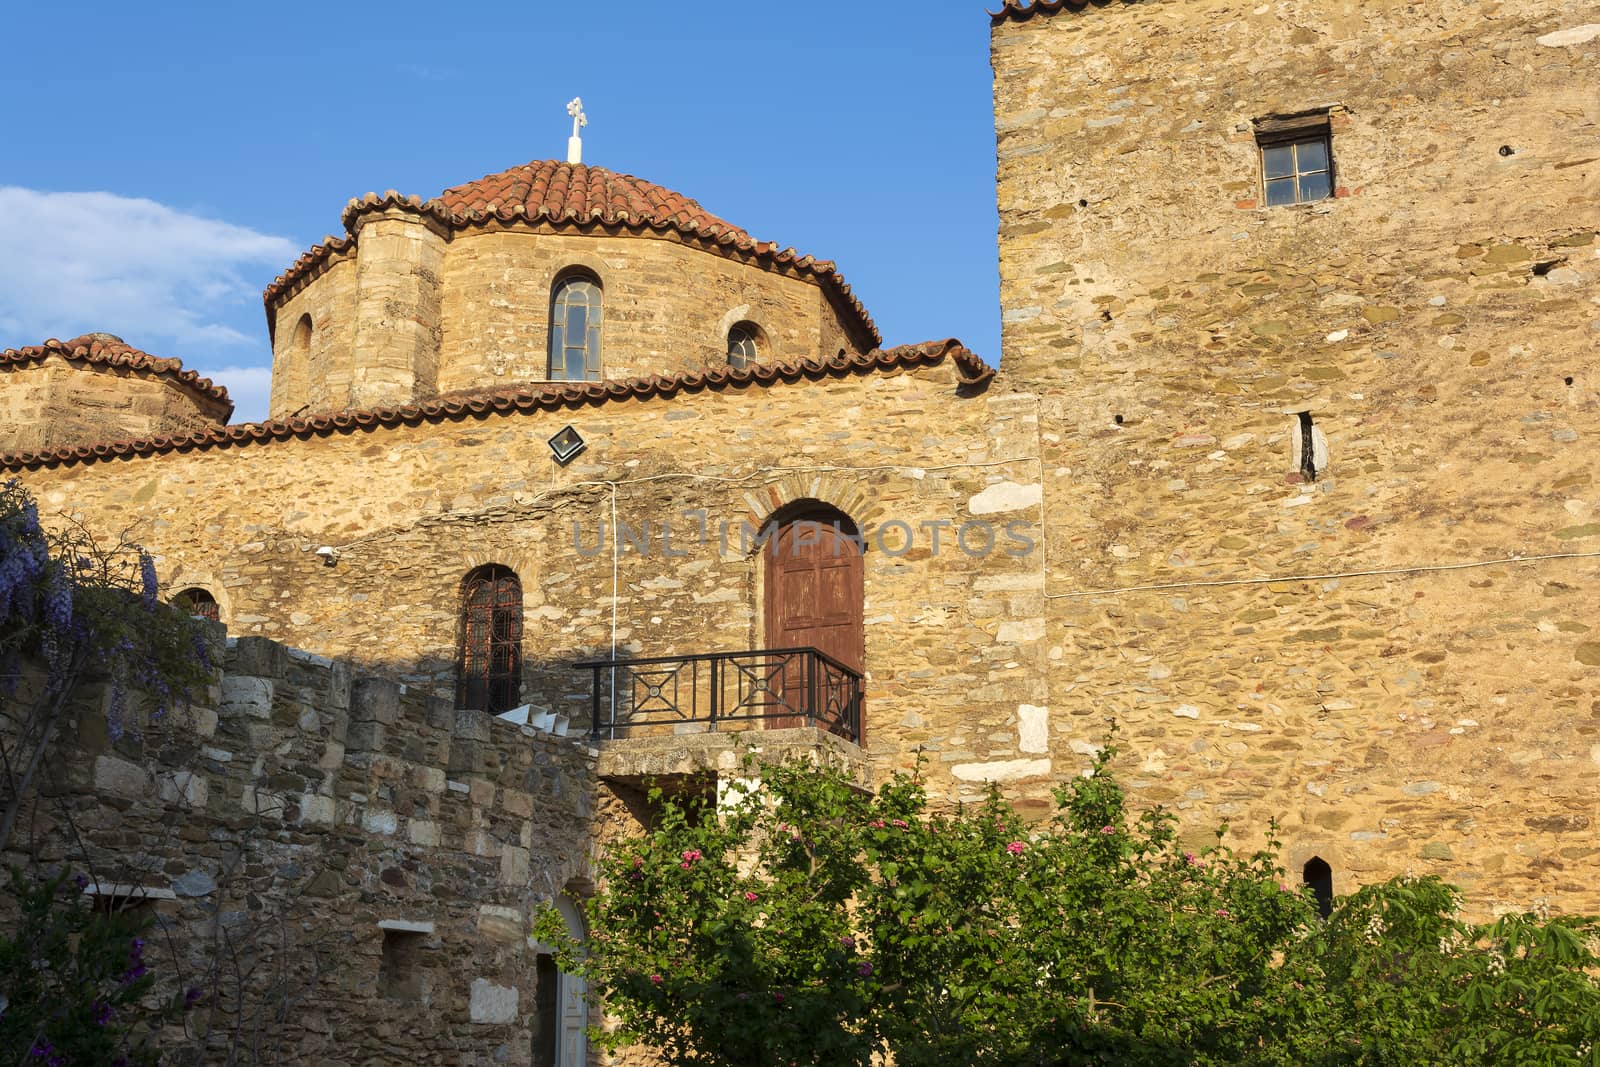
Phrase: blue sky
[222,139]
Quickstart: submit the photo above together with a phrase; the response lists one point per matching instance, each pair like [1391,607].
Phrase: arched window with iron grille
[489,666]
[575,329]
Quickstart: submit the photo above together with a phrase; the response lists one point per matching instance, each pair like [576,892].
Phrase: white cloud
[167,281]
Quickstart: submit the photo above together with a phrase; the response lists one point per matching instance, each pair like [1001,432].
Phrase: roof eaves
[971,373]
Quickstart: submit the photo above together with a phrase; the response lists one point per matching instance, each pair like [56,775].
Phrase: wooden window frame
[1292,131]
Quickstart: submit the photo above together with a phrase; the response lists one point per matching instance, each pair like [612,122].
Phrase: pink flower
[778,997]
[865,969]
[655,979]
[847,942]
[876,824]
[1188,857]
[1108,829]
[637,863]
[1016,848]
[751,897]
[692,854]
[1222,913]
[900,823]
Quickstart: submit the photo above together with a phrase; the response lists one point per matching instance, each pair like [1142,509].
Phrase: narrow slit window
[1319,876]
[1308,447]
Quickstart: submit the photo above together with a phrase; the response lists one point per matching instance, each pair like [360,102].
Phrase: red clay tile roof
[109,350]
[972,374]
[578,196]
[1022,10]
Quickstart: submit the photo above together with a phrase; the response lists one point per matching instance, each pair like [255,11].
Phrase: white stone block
[492,1003]
[315,808]
[244,695]
[1005,497]
[1020,631]
[186,788]
[379,821]
[1576,35]
[514,865]
[1033,728]
[121,778]
[1001,770]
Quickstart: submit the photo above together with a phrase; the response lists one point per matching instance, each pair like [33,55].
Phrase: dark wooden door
[813,599]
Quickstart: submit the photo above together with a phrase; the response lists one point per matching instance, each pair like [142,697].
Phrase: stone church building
[1284,467]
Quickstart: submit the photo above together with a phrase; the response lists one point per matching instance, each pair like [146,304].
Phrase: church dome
[473,288]
[575,192]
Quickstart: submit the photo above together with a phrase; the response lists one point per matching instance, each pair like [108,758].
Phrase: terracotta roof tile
[1023,10]
[575,195]
[108,350]
[972,374]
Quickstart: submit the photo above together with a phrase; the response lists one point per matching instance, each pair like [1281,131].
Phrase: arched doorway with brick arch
[814,597]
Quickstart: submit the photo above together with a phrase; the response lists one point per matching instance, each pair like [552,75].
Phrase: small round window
[743,349]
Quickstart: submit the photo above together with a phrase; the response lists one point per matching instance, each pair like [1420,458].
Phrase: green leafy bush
[812,923]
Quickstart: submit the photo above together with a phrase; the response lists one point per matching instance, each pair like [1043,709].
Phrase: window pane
[577,322]
[1278,161]
[1313,155]
[1280,192]
[1314,187]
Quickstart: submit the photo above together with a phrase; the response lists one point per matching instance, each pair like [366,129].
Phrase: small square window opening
[1296,159]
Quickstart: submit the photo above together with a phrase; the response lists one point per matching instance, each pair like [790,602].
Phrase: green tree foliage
[808,922]
[76,987]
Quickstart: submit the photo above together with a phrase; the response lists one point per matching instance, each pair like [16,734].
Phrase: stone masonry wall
[295,814]
[413,313]
[54,403]
[1396,660]
[411,509]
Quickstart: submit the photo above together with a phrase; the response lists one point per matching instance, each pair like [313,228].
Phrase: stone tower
[1310,294]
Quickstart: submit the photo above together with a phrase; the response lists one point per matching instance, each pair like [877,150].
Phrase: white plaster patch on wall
[1005,496]
[1001,770]
[1033,728]
[1576,35]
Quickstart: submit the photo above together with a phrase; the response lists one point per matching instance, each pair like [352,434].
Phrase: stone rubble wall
[1440,320]
[356,801]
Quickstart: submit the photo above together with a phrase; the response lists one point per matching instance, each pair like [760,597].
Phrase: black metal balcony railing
[773,687]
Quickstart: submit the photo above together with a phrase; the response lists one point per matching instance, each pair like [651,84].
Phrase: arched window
[300,340]
[197,601]
[744,346]
[1319,876]
[490,662]
[575,329]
